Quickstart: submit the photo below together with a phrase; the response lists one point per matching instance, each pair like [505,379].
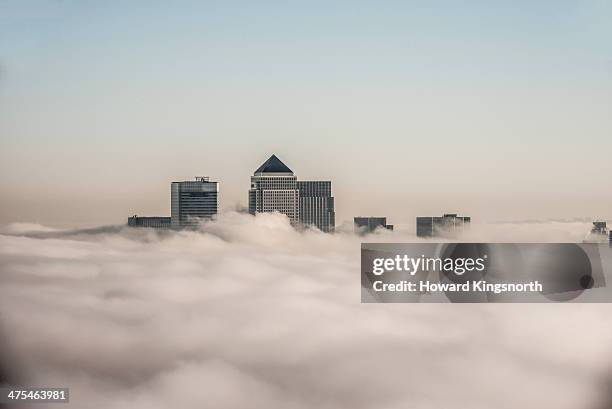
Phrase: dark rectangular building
[448,224]
[150,221]
[316,205]
[370,224]
[193,201]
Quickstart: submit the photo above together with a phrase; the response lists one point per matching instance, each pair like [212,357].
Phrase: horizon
[407,221]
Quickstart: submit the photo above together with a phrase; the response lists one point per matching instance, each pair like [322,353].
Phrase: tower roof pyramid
[273,165]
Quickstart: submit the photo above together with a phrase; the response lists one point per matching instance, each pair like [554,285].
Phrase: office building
[193,201]
[370,224]
[316,205]
[447,225]
[156,222]
[275,188]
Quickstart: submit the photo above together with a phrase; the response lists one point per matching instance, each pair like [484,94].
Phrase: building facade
[156,222]
[447,225]
[275,188]
[193,201]
[317,205]
[370,224]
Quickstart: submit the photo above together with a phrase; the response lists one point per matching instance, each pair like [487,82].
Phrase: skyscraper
[317,205]
[274,187]
[192,201]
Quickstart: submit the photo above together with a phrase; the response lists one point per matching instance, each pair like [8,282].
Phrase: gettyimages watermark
[485,272]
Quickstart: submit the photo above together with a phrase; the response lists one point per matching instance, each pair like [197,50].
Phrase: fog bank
[250,313]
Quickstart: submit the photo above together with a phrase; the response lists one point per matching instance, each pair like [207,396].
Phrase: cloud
[250,313]
[18,228]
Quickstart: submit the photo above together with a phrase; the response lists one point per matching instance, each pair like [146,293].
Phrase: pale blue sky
[499,110]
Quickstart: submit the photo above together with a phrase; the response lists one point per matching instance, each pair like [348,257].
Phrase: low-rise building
[157,222]
[448,225]
[370,224]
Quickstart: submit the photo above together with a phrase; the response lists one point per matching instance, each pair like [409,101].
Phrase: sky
[496,110]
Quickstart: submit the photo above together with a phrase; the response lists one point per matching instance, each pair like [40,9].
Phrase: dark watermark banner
[485,272]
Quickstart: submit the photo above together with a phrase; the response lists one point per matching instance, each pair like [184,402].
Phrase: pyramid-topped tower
[274,188]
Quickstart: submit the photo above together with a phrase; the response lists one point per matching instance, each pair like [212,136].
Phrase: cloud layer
[249,313]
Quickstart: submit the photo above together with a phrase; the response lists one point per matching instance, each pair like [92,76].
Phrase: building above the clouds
[193,201]
[370,224]
[448,225]
[190,202]
[316,205]
[275,188]
[157,222]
